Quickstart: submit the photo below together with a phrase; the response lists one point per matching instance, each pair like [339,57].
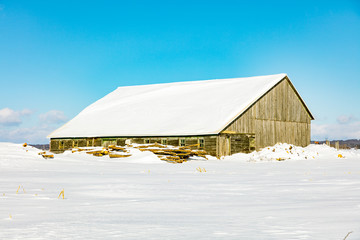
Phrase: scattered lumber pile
[173,154]
[112,150]
[117,148]
[167,153]
[98,153]
[46,156]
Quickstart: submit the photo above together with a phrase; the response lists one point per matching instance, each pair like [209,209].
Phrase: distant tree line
[41,146]
[344,144]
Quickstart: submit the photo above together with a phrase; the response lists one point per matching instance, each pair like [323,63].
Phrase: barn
[222,116]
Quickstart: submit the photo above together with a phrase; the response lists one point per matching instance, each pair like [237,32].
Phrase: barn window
[89,143]
[201,143]
[146,141]
[182,142]
[61,144]
[164,141]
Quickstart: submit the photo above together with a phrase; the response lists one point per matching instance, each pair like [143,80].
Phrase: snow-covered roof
[169,109]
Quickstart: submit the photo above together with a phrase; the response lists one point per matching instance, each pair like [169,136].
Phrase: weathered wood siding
[228,144]
[279,116]
[54,145]
[209,142]
[223,145]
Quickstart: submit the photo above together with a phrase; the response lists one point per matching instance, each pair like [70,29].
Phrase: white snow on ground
[313,195]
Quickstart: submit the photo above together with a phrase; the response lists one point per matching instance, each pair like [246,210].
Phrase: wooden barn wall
[279,116]
[228,144]
[68,143]
[223,145]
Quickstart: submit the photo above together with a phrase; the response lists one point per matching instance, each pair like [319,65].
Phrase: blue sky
[57,57]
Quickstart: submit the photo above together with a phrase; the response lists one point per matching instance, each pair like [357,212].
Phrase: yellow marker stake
[17,191]
[10,216]
[61,194]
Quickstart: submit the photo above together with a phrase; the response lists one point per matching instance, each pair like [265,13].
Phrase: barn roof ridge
[199,81]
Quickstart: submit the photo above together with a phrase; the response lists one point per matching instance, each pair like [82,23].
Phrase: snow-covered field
[312,193]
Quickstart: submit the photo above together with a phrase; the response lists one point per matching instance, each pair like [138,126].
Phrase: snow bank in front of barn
[12,153]
[285,151]
[327,152]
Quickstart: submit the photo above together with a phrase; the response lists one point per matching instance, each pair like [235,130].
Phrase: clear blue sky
[57,57]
